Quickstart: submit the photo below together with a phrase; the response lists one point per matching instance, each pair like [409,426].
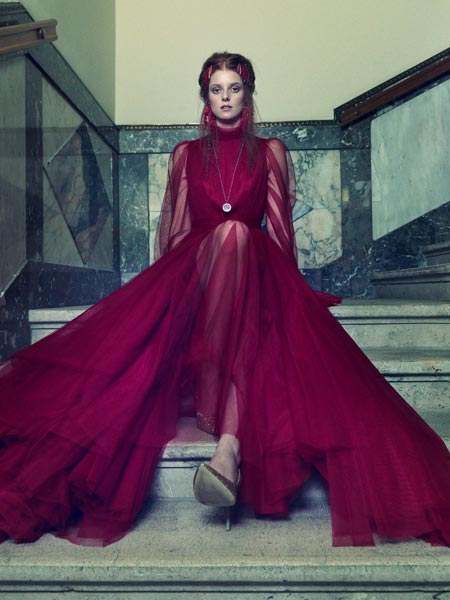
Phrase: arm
[281,197]
[174,221]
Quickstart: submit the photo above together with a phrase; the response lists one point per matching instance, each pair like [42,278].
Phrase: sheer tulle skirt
[223,325]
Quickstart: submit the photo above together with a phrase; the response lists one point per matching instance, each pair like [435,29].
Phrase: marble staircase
[180,550]
[408,341]
[428,282]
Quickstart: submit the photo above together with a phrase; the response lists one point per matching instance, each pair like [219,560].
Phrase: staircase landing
[180,549]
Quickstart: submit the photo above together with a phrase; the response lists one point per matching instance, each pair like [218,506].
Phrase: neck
[228,124]
[229,133]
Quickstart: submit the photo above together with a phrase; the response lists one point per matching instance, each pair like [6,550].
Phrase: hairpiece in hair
[207,75]
[242,72]
[208,118]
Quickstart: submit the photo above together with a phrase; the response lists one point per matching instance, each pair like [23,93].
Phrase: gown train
[222,326]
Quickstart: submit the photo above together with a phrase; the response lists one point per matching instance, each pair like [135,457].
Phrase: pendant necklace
[226,206]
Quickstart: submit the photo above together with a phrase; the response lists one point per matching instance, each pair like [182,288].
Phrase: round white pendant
[226,207]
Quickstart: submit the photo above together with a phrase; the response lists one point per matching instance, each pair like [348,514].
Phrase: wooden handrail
[406,83]
[20,37]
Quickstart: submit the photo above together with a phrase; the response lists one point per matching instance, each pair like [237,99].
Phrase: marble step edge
[437,254]
[244,573]
[433,274]
[349,309]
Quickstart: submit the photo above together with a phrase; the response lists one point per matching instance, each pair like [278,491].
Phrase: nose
[225,95]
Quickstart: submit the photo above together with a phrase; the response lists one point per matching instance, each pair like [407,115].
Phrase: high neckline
[229,133]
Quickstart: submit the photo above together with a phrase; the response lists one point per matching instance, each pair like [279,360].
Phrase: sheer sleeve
[281,197]
[174,221]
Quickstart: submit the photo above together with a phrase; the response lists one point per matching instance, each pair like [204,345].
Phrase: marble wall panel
[34,162]
[101,256]
[410,165]
[103,156]
[133,212]
[307,135]
[12,169]
[79,187]
[59,121]
[58,70]
[157,179]
[317,213]
[58,245]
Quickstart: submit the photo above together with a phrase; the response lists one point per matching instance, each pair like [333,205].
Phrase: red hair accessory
[242,72]
[207,75]
[208,118]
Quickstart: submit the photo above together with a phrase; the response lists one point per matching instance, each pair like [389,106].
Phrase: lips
[226,107]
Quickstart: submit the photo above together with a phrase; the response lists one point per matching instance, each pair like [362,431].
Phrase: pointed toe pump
[213,489]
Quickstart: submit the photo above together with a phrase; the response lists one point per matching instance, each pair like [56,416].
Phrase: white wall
[140,58]
[310,55]
[86,30]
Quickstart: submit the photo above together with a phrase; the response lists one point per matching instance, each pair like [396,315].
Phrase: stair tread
[351,307]
[176,542]
[439,246]
[401,361]
[431,270]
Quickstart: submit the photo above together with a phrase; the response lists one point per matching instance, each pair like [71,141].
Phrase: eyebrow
[220,85]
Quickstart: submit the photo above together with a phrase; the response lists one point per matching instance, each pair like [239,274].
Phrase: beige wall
[140,58]
[86,30]
[310,55]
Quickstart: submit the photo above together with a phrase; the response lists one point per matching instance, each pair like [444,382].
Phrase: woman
[223,318]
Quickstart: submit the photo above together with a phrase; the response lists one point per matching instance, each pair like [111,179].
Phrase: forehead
[225,77]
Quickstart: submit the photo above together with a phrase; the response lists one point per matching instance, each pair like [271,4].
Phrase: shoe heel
[227,518]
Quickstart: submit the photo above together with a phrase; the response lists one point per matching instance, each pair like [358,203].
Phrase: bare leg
[221,274]
[226,458]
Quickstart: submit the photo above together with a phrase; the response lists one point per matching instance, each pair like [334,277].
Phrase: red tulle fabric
[222,325]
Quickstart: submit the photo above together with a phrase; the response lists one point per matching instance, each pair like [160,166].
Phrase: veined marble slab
[59,120]
[410,160]
[12,170]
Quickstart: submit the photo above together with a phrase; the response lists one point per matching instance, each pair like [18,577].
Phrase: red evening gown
[224,319]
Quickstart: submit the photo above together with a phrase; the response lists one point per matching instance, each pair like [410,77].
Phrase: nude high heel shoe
[213,489]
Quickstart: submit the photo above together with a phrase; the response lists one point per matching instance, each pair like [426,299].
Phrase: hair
[244,68]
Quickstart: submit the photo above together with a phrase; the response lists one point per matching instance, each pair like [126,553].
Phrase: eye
[215,89]
[236,89]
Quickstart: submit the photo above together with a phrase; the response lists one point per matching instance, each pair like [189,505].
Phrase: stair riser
[438,259]
[394,334]
[173,479]
[423,395]
[428,290]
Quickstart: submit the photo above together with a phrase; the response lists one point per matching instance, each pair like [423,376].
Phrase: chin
[229,121]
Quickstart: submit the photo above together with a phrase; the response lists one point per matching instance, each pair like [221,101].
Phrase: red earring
[208,118]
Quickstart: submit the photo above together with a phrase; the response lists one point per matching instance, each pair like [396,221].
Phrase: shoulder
[276,145]
[180,151]
[276,152]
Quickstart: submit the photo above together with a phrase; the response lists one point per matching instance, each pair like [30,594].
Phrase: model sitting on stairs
[225,319]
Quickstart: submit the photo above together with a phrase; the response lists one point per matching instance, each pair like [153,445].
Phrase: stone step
[406,340]
[437,254]
[420,375]
[371,323]
[182,455]
[180,550]
[425,283]
[392,323]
